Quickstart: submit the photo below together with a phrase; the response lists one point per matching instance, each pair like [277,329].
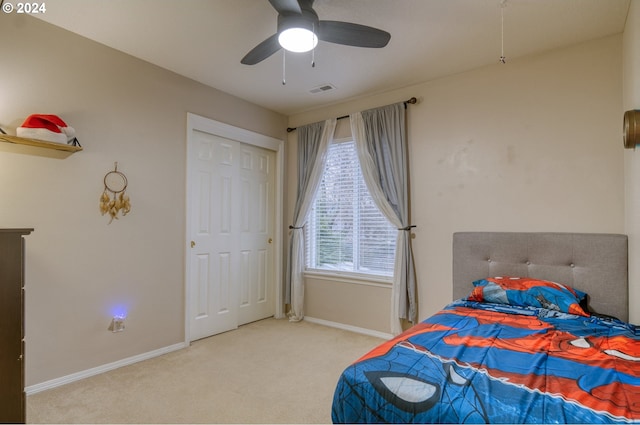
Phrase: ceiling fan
[299,30]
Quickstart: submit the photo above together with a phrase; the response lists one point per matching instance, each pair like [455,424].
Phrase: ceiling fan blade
[262,51]
[352,34]
[286,6]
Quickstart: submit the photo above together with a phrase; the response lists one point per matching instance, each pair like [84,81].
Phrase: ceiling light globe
[297,40]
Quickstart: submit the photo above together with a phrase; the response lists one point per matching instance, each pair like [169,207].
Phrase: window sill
[352,278]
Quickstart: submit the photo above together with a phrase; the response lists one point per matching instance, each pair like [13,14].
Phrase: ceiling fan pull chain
[284,67]
[313,51]
[503,5]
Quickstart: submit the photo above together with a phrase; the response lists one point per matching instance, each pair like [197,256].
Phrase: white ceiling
[205,40]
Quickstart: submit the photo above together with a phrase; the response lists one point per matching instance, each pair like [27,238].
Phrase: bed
[537,333]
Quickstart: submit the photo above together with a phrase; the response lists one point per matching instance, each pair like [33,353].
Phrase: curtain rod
[411,101]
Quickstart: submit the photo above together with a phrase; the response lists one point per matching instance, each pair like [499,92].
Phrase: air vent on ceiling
[323,88]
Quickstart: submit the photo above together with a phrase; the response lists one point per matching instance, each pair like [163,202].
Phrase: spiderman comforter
[498,362]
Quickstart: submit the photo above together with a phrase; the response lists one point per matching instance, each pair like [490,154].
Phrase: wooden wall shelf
[39,143]
[39,147]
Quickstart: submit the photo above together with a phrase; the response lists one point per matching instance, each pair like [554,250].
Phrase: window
[345,231]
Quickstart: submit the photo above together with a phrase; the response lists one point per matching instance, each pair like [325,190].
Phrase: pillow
[526,291]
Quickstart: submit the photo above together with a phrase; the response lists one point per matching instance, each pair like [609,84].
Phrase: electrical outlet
[117,324]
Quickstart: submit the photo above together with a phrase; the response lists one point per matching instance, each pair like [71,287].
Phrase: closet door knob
[193,243]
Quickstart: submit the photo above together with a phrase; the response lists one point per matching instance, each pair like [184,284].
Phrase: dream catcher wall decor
[115,184]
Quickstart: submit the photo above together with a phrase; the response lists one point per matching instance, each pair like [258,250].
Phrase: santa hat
[46,127]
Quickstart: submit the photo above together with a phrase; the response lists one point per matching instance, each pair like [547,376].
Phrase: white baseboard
[356,329]
[47,385]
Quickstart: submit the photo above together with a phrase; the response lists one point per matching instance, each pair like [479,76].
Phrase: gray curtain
[313,144]
[380,136]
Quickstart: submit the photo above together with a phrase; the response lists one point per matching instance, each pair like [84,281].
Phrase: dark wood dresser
[12,395]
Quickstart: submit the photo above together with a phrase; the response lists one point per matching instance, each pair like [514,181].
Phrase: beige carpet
[271,371]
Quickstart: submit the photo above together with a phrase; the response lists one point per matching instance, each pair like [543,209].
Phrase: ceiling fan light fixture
[297,39]
[299,29]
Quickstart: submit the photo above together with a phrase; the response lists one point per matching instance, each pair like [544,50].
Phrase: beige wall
[631,100]
[533,145]
[79,268]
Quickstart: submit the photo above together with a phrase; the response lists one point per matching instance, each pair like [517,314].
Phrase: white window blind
[346,232]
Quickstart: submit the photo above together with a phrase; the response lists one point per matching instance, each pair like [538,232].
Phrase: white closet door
[231,206]
[257,218]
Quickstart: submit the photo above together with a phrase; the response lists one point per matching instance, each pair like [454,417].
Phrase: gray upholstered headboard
[591,262]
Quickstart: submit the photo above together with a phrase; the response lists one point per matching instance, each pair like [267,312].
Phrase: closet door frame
[200,123]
